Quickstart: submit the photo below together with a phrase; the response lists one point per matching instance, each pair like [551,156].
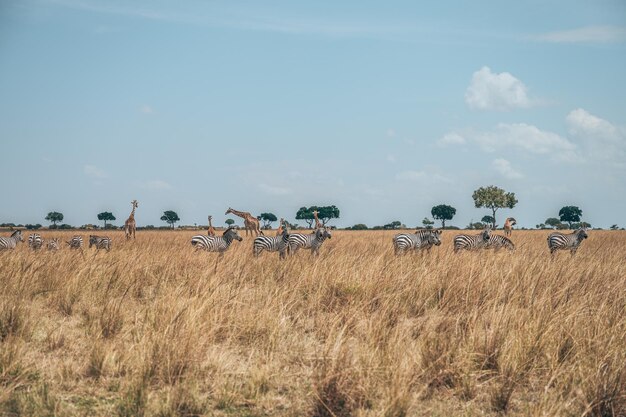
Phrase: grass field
[151,329]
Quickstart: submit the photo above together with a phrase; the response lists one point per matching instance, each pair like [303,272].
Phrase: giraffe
[211,231]
[250,222]
[130,226]
[279,231]
[508,226]
[317,221]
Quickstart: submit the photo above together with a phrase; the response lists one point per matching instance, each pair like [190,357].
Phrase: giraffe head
[210,218]
[135,204]
[230,210]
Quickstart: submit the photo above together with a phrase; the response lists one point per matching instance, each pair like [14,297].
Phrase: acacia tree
[229,222]
[106,216]
[170,217]
[268,218]
[493,198]
[54,217]
[443,212]
[306,214]
[570,214]
[324,213]
[428,224]
[552,222]
[488,219]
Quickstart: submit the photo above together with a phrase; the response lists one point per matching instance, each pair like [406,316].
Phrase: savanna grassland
[152,329]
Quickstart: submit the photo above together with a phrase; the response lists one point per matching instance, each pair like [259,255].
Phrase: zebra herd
[36,242]
[284,243]
[289,243]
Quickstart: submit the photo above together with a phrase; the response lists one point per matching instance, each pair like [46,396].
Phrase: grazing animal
[216,243]
[53,244]
[130,226]
[309,241]
[278,244]
[250,222]
[497,242]
[318,224]
[11,242]
[35,241]
[211,231]
[421,239]
[472,242]
[571,241]
[100,242]
[76,242]
[508,226]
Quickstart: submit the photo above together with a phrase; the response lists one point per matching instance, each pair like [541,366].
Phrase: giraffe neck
[210,223]
[242,214]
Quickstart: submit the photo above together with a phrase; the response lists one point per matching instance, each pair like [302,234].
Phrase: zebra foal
[12,241]
[311,241]
[472,242]
[35,241]
[100,242]
[278,244]
[216,243]
[570,241]
[421,239]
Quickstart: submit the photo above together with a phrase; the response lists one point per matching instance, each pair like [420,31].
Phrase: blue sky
[383,109]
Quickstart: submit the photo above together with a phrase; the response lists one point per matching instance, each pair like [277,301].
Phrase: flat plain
[153,328]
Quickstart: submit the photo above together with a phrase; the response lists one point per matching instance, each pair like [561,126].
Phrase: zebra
[11,242]
[76,242]
[53,244]
[35,241]
[100,242]
[421,239]
[216,243]
[472,242]
[497,242]
[571,241]
[278,244]
[311,241]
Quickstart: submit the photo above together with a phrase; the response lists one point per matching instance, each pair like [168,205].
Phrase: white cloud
[601,139]
[273,190]
[588,34]
[493,91]
[145,109]
[504,167]
[94,172]
[451,138]
[528,138]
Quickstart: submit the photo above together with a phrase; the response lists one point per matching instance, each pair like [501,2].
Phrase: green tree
[54,217]
[359,226]
[443,212]
[326,213]
[268,218]
[488,219]
[393,225]
[428,224]
[614,227]
[106,217]
[493,198]
[170,217]
[570,214]
[229,222]
[306,214]
[553,222]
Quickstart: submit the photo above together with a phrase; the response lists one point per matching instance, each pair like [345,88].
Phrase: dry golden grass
[151,329]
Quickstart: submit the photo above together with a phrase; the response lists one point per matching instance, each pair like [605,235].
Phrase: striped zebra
[311,241]
[11,242]
[100,242]
[497,242]
[278,244]
[571,241]
[472,242]
[53,244]
[216,243]
[35,241]
[76,242]
[421,239]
